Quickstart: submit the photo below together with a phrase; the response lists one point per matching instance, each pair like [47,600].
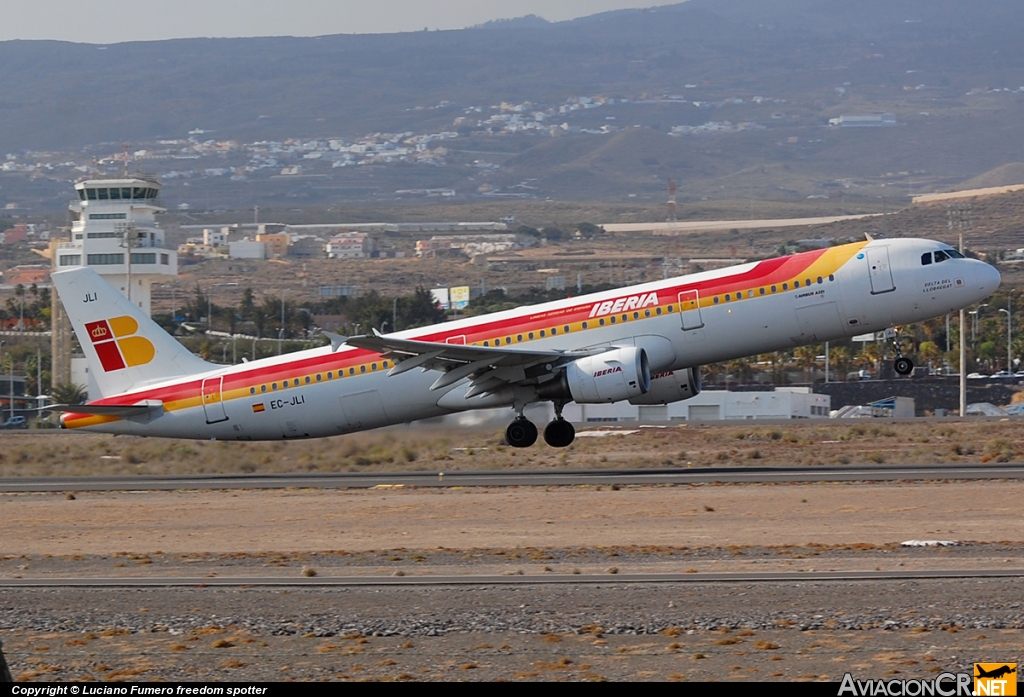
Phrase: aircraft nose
[989,278]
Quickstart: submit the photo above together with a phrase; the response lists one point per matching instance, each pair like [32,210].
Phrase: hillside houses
[350,245]
[471,245]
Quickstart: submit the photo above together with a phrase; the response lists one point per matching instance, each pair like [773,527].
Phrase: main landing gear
[559,433]
[521,433]
[902,365]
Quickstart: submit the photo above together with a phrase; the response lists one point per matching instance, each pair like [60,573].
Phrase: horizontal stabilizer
[149,406]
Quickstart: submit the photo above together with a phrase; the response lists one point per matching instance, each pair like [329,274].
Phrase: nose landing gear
[902,365]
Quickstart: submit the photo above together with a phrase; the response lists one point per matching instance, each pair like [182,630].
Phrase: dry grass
[439,449]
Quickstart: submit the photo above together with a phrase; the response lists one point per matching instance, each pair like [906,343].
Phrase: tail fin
[124,348]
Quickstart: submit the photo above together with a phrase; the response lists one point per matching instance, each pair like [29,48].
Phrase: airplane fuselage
[684,322]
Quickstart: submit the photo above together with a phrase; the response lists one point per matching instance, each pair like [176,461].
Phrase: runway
[506,580]
[347,480]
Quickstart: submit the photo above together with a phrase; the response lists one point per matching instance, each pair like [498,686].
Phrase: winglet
[337,340]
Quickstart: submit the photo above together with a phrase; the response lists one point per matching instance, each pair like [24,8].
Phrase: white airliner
[643,343]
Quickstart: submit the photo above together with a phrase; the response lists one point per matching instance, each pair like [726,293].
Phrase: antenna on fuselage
[869,237]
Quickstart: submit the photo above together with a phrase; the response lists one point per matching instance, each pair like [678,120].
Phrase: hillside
[1004,175]
[729,97]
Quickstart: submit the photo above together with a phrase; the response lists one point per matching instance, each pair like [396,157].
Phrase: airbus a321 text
[644,344]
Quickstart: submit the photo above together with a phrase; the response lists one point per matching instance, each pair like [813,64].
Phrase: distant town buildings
[277,243]
[350,245]
[247,249]
[27,275]
[864,120]
[198,156]
[471,245]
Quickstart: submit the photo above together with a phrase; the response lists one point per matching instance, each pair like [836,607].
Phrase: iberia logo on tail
[116,346]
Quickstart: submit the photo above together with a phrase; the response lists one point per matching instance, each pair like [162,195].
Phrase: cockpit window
[940,256]
[953,254]
[926,258]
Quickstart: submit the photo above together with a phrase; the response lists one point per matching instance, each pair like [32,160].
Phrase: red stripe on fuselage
[763,273]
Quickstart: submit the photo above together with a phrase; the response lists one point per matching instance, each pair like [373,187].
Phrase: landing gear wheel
[902,365]
[559,433]
[521,433]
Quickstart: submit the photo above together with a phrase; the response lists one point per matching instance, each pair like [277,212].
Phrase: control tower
[115,233]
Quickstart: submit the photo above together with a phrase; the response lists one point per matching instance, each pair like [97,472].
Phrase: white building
[864,120]
[116,234]
[247,249]
[215,238]
[783,403]
[349,245]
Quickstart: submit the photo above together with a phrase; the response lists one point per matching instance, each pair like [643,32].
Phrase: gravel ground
[617,631]
[784,631]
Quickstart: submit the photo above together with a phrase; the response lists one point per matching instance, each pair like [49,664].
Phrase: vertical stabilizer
[124,348]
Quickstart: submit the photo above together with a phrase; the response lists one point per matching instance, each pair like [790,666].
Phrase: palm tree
[68,393]
[806,357]
[839,357]
[929,352]
[871,354]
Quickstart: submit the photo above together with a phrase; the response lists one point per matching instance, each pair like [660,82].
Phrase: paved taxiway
[754,475]
[506,580]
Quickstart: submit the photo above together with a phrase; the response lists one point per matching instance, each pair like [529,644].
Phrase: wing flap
[492,365]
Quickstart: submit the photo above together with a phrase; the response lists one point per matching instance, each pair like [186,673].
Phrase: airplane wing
[123,410]
[488,367]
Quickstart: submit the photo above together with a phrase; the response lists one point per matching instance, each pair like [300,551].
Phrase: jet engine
[612,376]
[671,386]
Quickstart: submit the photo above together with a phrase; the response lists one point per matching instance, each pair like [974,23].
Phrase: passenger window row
[732,297]
[319,377]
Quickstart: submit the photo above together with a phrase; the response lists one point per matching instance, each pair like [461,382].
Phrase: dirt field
[428,447]
[711,631]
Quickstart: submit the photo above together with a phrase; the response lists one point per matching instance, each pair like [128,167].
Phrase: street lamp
[974,321]
[280,333]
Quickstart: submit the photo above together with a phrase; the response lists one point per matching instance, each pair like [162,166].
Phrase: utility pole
[1009,331]
[962,216]
[280,333]
[127,230]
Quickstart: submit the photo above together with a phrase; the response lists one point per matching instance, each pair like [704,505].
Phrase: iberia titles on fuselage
[643,343]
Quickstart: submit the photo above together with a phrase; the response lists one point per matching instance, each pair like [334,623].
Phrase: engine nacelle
[672,386]
[612,376]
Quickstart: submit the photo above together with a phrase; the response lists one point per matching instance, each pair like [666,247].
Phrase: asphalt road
[503,580]
[345,480]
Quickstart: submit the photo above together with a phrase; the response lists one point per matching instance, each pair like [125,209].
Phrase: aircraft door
[362,410]
[213,404]
[689,309]
[879,270]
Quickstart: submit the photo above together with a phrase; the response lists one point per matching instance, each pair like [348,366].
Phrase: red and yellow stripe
[804,268]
